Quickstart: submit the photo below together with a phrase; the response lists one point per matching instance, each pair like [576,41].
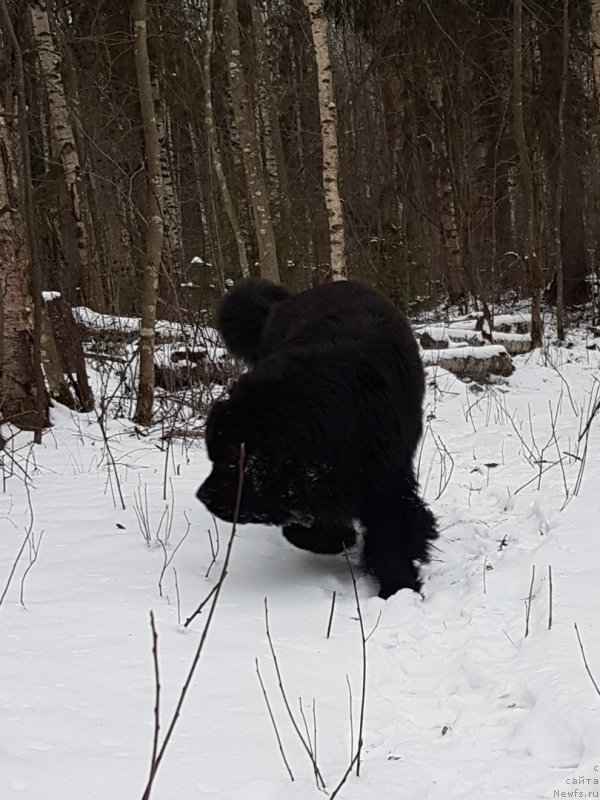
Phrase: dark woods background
[431,174]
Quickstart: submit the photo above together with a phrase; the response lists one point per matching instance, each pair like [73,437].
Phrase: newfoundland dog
[329,413]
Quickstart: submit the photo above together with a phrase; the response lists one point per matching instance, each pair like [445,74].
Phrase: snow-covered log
[519,322]
[437,337]
[477,363]
[123,329]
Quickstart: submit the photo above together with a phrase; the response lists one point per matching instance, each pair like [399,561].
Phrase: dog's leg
[398,533]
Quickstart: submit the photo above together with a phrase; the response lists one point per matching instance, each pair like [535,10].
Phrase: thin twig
[178,596]
[306,745]
[213,549]
[33,556]
[185,688]
[374,628]
[156,692]
[590,420]
[361,719]
[27,540]
[553,419]
[345,775]
[528,602]
[11,574]
[168,559]
[589,672]
[331,615]
[206,600]
[271,715]
[551,593]
[314,711]
[585,435]
[111,460]
[351,711]
[311,742]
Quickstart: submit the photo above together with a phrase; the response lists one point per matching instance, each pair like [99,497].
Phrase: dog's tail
[243,314]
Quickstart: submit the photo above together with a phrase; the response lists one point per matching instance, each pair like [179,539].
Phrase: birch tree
[331,168]
[173,227]
[154,217]
[64,149]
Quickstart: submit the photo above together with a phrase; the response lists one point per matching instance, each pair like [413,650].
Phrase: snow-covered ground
[460,703]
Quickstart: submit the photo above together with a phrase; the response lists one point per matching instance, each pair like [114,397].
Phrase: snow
[460,703]
[442,332]
[518,318]
[93,319]
[48,296]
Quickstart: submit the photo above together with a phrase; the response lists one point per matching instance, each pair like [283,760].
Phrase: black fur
[243,314]
[330,416]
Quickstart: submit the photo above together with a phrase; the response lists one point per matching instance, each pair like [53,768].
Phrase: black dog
[330,417]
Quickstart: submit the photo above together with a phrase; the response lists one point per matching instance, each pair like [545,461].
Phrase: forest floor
[479,691]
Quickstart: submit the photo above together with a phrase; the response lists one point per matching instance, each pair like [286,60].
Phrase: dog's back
[333,313]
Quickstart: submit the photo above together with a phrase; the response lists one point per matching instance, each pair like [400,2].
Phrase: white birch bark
[327,114]
[64,148]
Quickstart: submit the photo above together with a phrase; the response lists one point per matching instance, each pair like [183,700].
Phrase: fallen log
[439,337]
[476,363]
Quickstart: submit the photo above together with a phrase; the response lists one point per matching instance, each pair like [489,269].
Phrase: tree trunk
[531,257]
[20,331]
[560,176]
[154,219]
[215,150]
[199,181]
[451,242]
[63,357]
[17,366]
[173,250]
[244,120]
[595,31]
[268,104]
[327,114]
[64,148]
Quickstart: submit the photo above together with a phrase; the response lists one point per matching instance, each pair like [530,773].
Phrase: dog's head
[285,473]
